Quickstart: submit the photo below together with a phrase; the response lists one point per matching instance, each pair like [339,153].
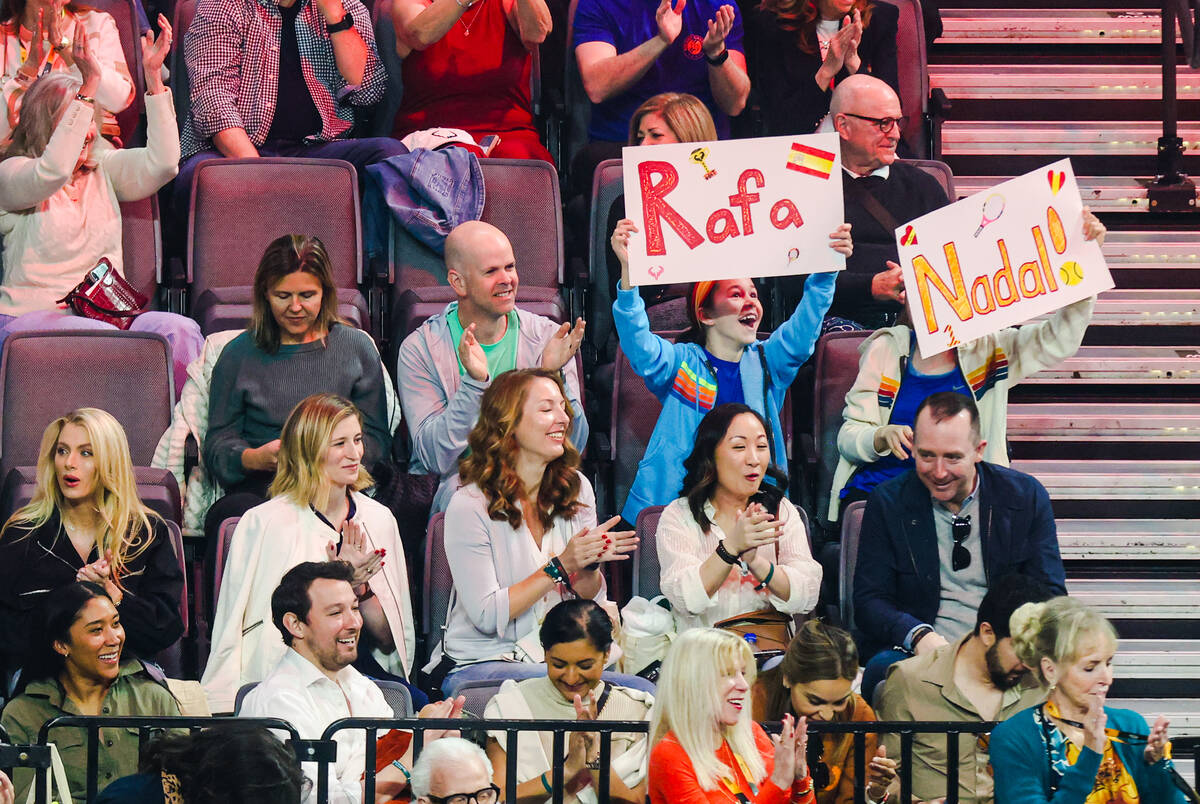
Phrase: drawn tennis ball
[1071,273]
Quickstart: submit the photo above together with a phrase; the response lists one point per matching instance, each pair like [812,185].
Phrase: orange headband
[700,293]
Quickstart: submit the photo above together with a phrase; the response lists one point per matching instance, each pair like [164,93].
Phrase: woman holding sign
[718,360]
[894,378]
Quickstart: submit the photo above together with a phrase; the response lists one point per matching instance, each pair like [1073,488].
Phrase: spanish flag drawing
[812,161]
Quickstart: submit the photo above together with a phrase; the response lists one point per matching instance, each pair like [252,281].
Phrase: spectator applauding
[734,543]
[467,65]
[814,681]
[86,523]
[78,670]
[521,534]
[317,512]
[576,636]
[719,360]
[1074,748]
[706,746]
[933,537]
[448,362]
[59,193]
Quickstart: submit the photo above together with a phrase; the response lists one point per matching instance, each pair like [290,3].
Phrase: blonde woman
[316,513]
[707,748]
[1073,749]
[87,523]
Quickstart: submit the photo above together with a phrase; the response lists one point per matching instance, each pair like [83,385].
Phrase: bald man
[880,194]
[447,363]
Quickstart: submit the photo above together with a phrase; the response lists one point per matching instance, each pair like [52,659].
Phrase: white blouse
[683,547]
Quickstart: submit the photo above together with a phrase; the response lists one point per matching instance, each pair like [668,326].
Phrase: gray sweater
[252,393]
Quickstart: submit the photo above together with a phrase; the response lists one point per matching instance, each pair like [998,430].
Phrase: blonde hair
[688,700]
[1060,629]
[299,473]
[127,521]
[686,116]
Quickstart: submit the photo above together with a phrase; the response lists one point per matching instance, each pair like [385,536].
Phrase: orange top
[673,781]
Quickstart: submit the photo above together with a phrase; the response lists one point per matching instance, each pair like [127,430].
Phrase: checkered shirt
[232,54]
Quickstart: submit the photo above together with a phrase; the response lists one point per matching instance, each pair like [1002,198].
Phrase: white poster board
[999,258]
[733,208]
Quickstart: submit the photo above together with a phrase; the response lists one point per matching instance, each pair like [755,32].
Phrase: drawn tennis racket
[993,208]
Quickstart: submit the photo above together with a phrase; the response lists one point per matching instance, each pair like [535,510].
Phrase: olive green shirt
[134,692]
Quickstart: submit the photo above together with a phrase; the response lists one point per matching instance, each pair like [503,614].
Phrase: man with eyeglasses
[879,194]
[975,679]
[934,538]
[453,771]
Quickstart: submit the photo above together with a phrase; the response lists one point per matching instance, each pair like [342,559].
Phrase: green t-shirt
[501,355]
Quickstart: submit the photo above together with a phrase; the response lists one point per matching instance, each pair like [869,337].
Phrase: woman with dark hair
[87,523]
[719,360]
[39,37]
[799,50]
[576,637]
[814,681]
[733,543]
[230,763]
[317,512]
[521,532]
[296,345]
[77,670]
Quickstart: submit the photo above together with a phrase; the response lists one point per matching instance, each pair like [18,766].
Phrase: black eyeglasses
[488,795]
[817,768]
[960,529]
[884,124]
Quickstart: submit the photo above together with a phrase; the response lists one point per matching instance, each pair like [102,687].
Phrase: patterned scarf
[1114,784]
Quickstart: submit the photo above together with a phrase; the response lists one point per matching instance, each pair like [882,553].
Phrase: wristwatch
[344,24]
[719,59]
[63,44]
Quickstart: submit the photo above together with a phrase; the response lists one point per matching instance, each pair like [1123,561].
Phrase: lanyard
[735,788]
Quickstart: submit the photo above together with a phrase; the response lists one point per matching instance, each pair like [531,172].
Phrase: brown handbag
[772,630]
[105,295]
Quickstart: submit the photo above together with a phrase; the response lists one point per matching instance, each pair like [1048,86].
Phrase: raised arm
[607,73]
[729,81]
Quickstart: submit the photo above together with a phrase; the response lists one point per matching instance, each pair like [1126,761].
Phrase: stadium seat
[141,246]
[836,370]
[478,693]
[125,14]
[181,88]
[157,488]
[851,525]
[913,70]
[238,206]
[419,303]
[438,584]
[224,541]
[396,694]
[940,171]
[631,429]
[43,375]
[171,658]
[608,186]
[646,570]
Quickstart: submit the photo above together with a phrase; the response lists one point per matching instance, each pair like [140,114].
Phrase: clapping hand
[356,550]
[719,27]
[752,528]
[592,545]
[669,19]
[100,572]
[471,355]
[89,68]
[448,709]
[563,345]
[791,750]
[37,49]
[154,53]
[1156,743]
[850,57]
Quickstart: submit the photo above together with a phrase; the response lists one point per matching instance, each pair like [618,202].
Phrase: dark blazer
[33,564]
[782,75]
[897,581]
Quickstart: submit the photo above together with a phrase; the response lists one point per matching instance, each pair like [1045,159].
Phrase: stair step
[1184,714]
[1145,308]
[1104,422]
[1058,139]
[1050,26]
[1140,598]
[1158,659]
[1157,481]
[1058,82]
[1100,193]
[1125,365]
[1129,539]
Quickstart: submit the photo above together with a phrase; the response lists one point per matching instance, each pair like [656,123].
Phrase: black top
[296,116]
[782,74]
[33,564]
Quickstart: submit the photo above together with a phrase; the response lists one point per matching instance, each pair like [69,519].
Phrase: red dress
[476,78]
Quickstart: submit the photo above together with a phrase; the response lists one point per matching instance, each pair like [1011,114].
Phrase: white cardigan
[271,539]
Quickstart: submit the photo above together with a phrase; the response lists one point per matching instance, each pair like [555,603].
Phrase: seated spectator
[630,51]
[296,344]
[799,50]
[317,512]
[87,523]
[453,770]
[227,762]
[977,678]
[933,537]
[282,78]
[77,670]
[521,534]
[316,609]
[720,358]
[814,681]
[576,637]
[879,194]
[1068,748]
[39,37]
[733,543]
[59,188]
[447,363]
[467,65]
[707,748]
